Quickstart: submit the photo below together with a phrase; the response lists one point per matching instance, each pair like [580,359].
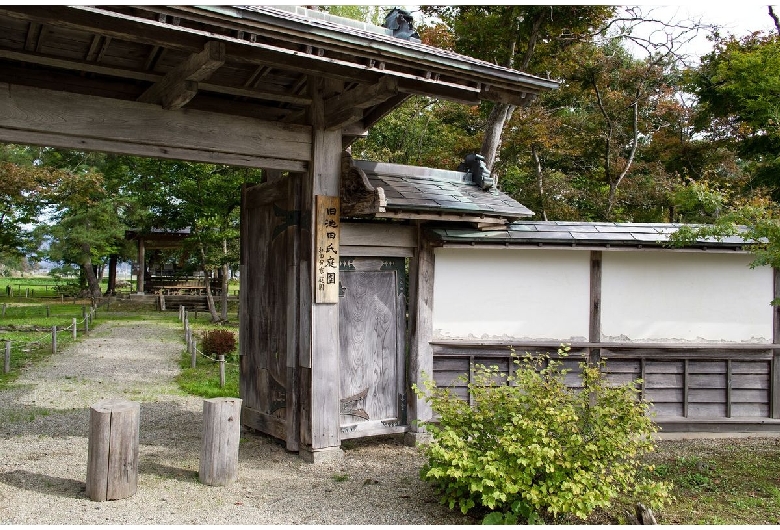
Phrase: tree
[25,187]
[515,36]
[205,199]
[84,226]
[738,89]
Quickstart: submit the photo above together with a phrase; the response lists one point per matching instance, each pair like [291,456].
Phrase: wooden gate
[372,330]
[270,232]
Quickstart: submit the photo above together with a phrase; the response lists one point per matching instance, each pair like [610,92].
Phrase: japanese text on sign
[326,274]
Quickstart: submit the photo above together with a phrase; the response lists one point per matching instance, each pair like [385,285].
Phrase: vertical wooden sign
[326,267]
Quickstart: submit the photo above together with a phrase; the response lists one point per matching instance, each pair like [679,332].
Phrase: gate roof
[248,61]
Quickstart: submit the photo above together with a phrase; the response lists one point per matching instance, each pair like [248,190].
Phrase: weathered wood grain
[421,275]
[322,329]
[77,117]
[112,455]
[219,446]
[372,345]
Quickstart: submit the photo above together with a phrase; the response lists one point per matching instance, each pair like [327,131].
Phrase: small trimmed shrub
[218,342]
[531,447]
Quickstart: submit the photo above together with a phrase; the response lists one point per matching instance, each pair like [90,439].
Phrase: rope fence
[88,314]
[193,350]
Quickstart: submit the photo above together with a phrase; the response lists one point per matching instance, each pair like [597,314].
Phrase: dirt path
[43,451]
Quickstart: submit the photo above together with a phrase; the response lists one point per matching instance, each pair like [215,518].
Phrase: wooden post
[318,329]
[141,266]
[221,370]
[7,363]
[421,277]
[112,461]
[75,334]
[54,339]
[221,434]
[3,310]
[86,325]
[83,311]
[48,312]
[194,354]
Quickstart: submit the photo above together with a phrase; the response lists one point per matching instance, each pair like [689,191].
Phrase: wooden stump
[112,462]
[221,433]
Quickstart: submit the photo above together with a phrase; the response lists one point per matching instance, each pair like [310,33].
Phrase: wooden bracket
[180,85]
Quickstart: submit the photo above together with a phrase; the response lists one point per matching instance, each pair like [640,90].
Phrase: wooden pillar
[594,326]
[141,265]
[421,276]
[112,261]
[112,461]
[219,447]
[318,323]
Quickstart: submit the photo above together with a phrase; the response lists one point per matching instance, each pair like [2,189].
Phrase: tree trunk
[224,294]
[210,297]
[539,181]
[493,131]
[89,272]
[207,279]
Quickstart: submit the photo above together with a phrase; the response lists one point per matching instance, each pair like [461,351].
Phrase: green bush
[531,446]
[218,342]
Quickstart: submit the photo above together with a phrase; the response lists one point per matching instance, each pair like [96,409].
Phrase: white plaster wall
[691,296]
[511,293]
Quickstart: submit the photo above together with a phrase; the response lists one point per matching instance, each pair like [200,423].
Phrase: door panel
[371,317]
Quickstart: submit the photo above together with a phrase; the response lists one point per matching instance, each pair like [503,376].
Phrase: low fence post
[221,371]
[83,311]
[194,354]
[7,364]
[74,328]
[54,339]
[86,325]
[48,311]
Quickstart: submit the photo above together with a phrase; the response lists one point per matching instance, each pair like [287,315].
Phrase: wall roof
[570,233]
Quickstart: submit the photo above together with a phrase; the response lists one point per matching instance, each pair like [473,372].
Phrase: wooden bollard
[54,339]
[112,458]
[48,312]
[221,434]
[86,325]
[7,363]
[221,359]
[74,325]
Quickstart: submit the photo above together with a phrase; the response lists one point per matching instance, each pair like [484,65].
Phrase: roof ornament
[402,24]
[474,164]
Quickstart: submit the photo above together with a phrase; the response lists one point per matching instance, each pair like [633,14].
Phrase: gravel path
[44,422]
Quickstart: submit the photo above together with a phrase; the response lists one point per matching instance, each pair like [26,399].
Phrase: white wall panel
[691,296]
[492,294]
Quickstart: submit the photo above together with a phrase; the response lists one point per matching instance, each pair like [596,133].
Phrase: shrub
[531,446]
[218,342]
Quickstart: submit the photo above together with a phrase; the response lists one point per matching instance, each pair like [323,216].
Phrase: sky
[737,18]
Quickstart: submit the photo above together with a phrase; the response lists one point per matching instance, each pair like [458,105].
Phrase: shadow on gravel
[45,484]
[147,467]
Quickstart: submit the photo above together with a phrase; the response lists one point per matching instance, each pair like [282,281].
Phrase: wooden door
[372,331]
[269,329]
